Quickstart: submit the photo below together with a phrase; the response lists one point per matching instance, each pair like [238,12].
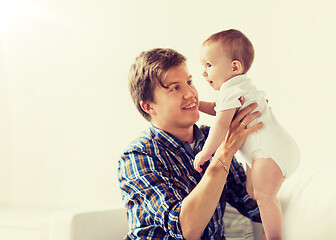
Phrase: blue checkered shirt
[156,173]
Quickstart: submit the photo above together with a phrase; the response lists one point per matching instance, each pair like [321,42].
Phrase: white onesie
[272,140]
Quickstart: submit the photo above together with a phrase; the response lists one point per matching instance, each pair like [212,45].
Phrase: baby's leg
[267,179]
[263,236]
[249,186]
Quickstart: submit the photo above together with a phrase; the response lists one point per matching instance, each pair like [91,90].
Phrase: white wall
[65,110]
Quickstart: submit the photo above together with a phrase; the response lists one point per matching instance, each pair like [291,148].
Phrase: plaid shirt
[156,173]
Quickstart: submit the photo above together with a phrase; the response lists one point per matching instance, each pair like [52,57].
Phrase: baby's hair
[236,45]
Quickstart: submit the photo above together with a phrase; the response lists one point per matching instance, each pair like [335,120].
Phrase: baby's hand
[200,159]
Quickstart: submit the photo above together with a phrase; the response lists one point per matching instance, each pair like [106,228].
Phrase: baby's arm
[218,130]
[207,107]
[216,136]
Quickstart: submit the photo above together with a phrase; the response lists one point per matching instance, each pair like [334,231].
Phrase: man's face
[175,106]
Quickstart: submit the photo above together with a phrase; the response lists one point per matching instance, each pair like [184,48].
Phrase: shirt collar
[172,141]
[198,134]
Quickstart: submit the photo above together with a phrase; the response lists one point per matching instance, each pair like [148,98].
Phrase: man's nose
[190,92]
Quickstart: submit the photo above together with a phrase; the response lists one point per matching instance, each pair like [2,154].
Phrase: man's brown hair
[236,45]
[148,71]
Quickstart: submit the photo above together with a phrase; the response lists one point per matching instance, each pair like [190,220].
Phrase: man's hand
[238,132]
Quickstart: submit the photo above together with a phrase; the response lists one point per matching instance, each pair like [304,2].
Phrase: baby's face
[217,66]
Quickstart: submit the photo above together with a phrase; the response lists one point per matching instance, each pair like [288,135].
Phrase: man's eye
[174,88]
[208,65]
[190,82]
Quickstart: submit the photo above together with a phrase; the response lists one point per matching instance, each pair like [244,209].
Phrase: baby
[271,155]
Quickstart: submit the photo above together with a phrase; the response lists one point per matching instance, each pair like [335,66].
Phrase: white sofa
[111,223]
[24,223]
[307,200]
[89,224]
[308,204]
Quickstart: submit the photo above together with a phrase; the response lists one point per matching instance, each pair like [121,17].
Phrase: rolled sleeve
[151,196]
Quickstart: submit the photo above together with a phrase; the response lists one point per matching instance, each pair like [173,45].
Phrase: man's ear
[147,107]
[237,67]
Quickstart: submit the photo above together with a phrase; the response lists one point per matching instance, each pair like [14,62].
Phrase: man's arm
[150,194]
[199,206]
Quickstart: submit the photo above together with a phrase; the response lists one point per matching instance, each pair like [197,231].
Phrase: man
[166,198]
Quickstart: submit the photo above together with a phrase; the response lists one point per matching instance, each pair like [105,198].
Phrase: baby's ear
[237,67]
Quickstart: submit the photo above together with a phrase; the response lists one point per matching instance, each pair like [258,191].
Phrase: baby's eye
[208,65]
[174,88]
[190,82]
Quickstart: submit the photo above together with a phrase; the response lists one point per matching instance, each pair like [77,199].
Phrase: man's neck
[185,134]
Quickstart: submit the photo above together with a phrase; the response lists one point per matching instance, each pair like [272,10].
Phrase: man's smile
[190,106]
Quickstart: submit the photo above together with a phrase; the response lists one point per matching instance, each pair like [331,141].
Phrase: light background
[65,110]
